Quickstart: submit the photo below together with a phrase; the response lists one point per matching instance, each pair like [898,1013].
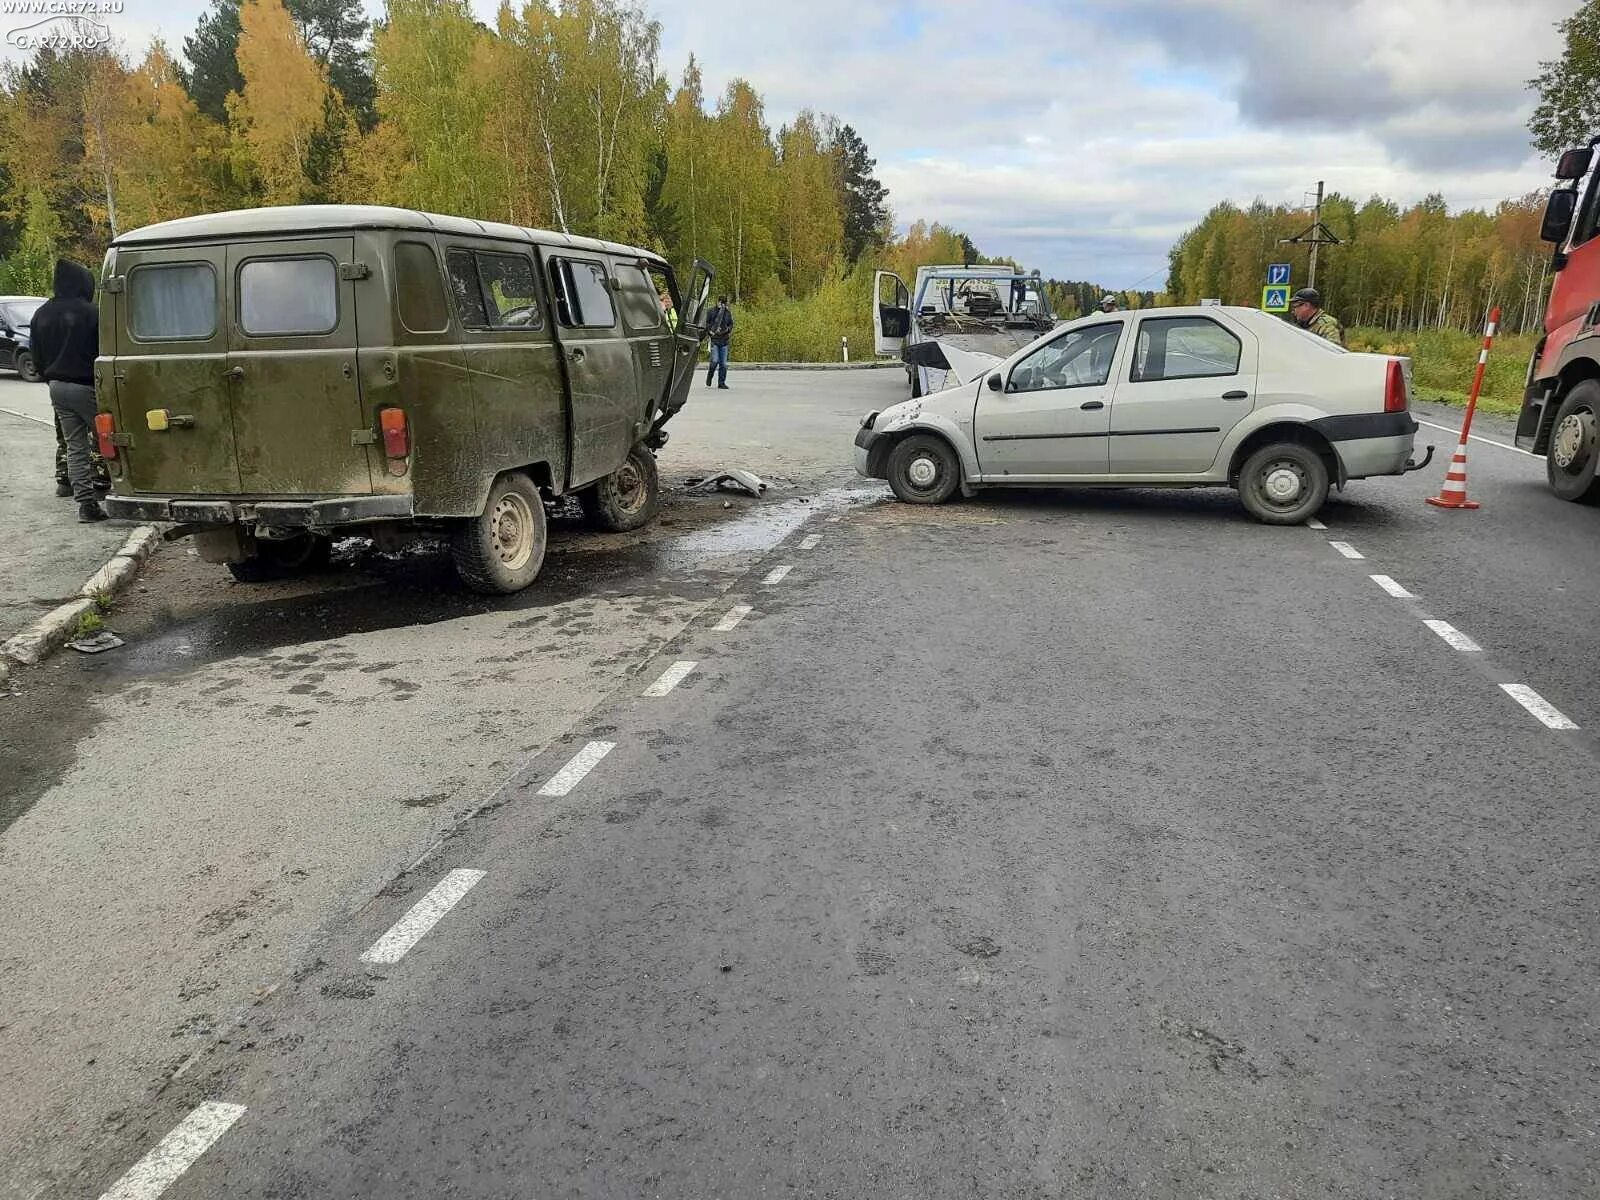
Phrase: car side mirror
[1558,212]
[995,382]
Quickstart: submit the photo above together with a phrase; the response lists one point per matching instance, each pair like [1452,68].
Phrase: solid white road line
[1452,635]
[810,541]
[1390,586]
[670,678]
[584,761]
[176,1153]
[423,916]
[734,615]
[1538,706]
[777,573]
[1346,549]
[11,412]
[1474,437]
[1313,523]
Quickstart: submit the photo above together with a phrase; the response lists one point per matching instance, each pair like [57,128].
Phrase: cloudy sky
[1082,136]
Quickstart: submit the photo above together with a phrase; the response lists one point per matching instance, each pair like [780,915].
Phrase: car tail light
[1394,391]
[105,430]
[396,437]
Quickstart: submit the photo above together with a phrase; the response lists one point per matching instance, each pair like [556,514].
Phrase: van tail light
[396,437]
[105,430]
[1394,391]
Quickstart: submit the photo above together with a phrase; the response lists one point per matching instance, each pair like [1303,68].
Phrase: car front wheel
[1284,483]
[25,367]
[1575,446]
[923,469]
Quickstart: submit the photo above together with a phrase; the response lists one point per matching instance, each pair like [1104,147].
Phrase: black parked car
[16,352]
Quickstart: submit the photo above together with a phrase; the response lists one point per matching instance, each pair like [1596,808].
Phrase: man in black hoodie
[66,338]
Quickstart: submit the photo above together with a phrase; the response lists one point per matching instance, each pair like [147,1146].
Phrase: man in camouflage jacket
[1308,313]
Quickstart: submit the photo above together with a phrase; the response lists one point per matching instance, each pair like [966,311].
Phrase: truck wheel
[502,550]
[1575,445]
[628,497]
[283,558]
[25,368]
[923,469]
[1284,483]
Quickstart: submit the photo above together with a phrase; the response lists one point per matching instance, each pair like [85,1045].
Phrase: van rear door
[292,362]
[171,393]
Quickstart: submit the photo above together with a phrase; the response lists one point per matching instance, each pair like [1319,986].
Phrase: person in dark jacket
[719,324]
[66,338]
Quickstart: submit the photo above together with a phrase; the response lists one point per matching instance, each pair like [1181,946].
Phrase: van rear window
[172,300]
[279,296]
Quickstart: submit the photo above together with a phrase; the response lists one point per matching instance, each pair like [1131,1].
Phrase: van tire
[283,558]
[501,550]
[1266,478]
[628,498]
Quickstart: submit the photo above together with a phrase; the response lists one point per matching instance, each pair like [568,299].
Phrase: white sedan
[1160,397]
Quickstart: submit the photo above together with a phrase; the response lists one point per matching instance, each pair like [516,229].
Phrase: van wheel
[283,558]
[25,367]
[628,497]
[1284,483]
[502,550]
[923,469]
[1574,451]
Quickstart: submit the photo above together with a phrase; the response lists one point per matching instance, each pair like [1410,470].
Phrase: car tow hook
[1417,466]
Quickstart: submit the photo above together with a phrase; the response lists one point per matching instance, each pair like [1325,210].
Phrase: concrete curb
[56,627]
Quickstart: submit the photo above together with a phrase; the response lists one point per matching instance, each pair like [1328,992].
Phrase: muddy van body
[271,378]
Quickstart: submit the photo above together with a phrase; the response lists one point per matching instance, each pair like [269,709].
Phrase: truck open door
[891,313]
[691,306]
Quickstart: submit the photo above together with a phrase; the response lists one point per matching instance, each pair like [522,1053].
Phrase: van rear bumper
[275,514]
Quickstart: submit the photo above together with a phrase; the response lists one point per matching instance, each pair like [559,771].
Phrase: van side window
[583,297]
[279,296]
[177,301]
[638,298]
[418,290]
[494,291]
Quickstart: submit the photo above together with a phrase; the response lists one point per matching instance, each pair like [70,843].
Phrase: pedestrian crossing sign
[1275,299]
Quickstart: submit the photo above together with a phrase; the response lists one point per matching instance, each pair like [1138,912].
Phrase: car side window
[417,288]
[492,290]
[583,294]
[462,273]
[638,298]
[1080,358]
[1183,348]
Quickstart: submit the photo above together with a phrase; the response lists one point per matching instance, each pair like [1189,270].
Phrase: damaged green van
[271,378]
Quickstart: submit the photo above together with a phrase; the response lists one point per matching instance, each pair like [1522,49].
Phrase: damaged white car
[1174,397]
[958,322]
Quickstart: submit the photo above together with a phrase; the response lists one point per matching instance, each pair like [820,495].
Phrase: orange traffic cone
[1454,492]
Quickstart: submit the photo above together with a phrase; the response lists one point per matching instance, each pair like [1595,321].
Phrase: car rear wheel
[283,558]
[628,498]
[1284,483]
[1574,453]
[25,367]
[923,469]
[501,550]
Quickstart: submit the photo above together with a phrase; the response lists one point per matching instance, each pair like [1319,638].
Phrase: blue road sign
[1275,299]
[1278,273]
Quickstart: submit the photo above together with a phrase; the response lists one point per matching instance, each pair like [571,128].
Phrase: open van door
[691,331]
[891,313]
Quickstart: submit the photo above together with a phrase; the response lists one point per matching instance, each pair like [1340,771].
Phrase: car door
[891,312]
[1048,415]
[599,367]
[292,363]
[1190,380]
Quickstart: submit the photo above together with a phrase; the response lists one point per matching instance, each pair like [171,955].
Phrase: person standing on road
[66,338]
[1308,313]
[719,324]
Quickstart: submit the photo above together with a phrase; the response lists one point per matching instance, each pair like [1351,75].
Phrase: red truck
[1560,405]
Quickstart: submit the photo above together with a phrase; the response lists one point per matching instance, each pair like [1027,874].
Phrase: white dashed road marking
[1390,586]
[670,678]
[810,541]
[1538,706]
[1313,523]
[157,1171]
[1476,438]
[424,915]
[777,573]
[584,761]
[1346,549]
[734,615]
[1452,635]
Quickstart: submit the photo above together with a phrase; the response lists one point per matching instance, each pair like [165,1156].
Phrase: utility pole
[1318,235]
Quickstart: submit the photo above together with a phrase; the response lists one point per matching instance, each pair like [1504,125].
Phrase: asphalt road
[1086,844]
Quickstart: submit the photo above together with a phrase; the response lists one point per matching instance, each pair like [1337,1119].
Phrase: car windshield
[983,296]
[20,312]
